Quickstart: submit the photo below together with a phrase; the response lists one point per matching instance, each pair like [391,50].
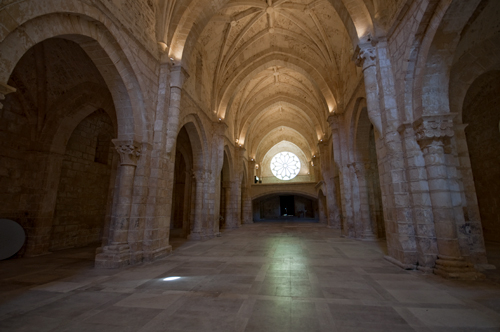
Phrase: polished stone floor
[261,277]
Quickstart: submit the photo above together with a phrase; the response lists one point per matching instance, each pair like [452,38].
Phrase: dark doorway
[287,205]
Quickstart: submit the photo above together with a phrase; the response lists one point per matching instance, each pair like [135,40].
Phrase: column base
[228,227]
[400,264]
[153,255]
[456,268]
[369,237]
[198,236]
[113,256]
[425,269]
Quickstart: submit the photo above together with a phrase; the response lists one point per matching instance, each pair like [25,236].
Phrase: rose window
[285,165]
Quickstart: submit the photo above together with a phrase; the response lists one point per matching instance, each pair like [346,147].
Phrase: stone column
[366,58]
[316,167]
[368,232]
[247,217]
[340,155]
[383,114]
[356,202]
[226,191]
[235,202]
[117,252]
[177,77]
[333,217]
[197,232]
[186,218]
[433,134]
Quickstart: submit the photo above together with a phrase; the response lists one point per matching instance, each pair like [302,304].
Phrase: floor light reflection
[171,278]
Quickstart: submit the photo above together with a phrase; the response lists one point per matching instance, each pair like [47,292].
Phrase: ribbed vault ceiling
[275,65]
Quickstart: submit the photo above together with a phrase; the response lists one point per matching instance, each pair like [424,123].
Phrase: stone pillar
[333,217]
[213,185]
[433,134]
[340,155]
[321,208]
[368,232]
[356,202]
[383,114]
[158,205]
[334,220]
[235,201]
[247,217]
[367,59]
[226,192]
[316,167]
[186,218]
[197,232]
[117,252]
[177,77]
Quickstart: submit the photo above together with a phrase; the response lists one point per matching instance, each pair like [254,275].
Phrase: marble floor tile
[261,277]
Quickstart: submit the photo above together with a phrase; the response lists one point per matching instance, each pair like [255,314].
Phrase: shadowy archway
[182,202]
[480,113]
[56,148]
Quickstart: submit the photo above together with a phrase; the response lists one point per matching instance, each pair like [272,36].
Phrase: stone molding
[130,151]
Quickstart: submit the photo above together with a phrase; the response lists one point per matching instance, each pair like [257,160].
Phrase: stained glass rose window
[285,165]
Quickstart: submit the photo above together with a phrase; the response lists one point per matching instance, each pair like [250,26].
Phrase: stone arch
[482,137]
[74,112]
[197,137]
[104,50]
[53,151]
[468,69]
[435,57]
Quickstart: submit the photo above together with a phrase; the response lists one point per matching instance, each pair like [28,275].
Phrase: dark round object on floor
[12,238]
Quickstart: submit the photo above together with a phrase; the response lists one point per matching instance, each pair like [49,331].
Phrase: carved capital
[178,76]
[365,56]
[200,175]
[334,121]
[240,151]
[129,151]
[360,168]
[219,128]
[434,128]
[5,90]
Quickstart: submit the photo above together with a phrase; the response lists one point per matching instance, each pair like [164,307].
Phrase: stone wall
[83,188]
[138,17]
